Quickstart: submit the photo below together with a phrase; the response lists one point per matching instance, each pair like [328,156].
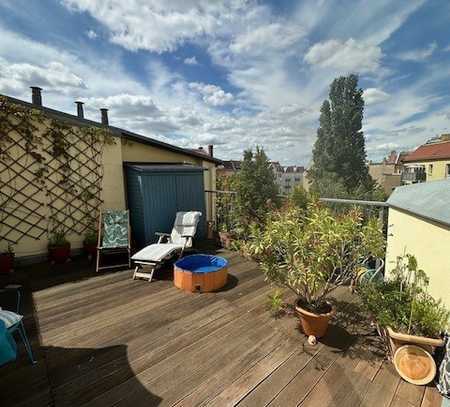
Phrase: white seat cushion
[10,318]
[156,252]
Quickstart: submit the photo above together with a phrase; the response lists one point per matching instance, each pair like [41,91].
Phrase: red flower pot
[6,262]
[59,254]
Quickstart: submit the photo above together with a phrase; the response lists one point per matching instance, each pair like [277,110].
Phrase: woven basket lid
[414,364]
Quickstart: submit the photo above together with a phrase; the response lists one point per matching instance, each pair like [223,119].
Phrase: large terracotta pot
[314,324]
[59,254]
[6,263]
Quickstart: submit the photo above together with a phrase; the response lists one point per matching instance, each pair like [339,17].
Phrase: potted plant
[90,243]
[7,260]
[312,252]
[405,313]
[58,247]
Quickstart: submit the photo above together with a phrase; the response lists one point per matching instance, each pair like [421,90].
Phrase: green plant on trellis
[48,155]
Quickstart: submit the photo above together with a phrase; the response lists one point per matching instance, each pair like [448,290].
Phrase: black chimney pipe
[36,96]
[105,120]
[211,150]
[80,111]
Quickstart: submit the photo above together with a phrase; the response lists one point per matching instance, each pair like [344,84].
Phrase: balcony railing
[414,176]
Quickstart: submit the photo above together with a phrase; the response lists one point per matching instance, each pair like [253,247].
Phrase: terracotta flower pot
[59,254]
[314,324]
[6,262]
[398,339]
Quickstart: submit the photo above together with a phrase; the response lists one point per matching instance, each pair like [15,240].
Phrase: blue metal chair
[18,325]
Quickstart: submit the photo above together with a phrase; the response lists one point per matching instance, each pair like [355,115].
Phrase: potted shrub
[90,243]
[312,252]
[7,260]
[58,247]
[405,313]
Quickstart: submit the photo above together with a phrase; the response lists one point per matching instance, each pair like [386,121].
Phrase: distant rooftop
[430,151]
[429,200]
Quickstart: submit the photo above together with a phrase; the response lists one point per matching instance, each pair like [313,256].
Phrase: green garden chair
[113,236]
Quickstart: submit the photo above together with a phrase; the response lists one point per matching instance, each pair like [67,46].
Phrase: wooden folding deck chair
[113,236]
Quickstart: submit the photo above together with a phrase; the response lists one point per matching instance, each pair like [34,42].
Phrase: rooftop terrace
[104,340]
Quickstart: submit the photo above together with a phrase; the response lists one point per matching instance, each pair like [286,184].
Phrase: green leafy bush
[58,239]
[275,302]
[91,237]
[311,252]
[403,303]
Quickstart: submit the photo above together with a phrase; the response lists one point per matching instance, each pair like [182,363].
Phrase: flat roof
[116,131]
[430,200]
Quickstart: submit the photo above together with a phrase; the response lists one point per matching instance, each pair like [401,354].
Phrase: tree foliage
[339,155]
[255,186]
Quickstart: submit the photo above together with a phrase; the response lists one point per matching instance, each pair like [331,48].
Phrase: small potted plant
[7,260]
[312,252]
[403,309]
[58,247]
[90,243]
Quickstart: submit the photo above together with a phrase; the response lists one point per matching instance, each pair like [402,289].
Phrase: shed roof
[430,200]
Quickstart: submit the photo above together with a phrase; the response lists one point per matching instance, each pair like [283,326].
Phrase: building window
[430,169]
[447,170]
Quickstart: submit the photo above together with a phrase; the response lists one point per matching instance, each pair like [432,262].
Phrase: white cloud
[348,56]
[212,94]
[54,76]
[258,40]
[373,96]
[91,34]
[191,61]
[159,25]
[419,54]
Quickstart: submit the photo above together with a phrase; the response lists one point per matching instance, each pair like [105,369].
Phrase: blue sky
[234,73]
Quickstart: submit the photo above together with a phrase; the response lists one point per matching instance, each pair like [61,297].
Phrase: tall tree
[255,186]
[340,148]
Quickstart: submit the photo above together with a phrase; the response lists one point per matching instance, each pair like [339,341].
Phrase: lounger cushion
[9,318]
[156,252]
[185,225]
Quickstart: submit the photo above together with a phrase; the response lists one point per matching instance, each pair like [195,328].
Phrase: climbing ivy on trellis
[51,173]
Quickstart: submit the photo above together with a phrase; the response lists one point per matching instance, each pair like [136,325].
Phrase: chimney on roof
[80,111]
[36,97]
[105,120]
[211,150]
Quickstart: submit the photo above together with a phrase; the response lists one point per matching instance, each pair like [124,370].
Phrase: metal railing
[225,203]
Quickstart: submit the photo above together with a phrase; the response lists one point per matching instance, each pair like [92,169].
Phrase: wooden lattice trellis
[50,174]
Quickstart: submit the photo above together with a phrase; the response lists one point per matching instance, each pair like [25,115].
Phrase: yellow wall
[428,241]
[439,167]
[113,189]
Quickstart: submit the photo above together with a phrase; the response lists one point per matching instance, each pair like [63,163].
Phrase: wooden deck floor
[110,341]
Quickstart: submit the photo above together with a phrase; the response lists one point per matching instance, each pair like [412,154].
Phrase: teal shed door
[157,192]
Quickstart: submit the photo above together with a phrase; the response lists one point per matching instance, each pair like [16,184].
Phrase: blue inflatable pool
[201,263]
[200,273]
